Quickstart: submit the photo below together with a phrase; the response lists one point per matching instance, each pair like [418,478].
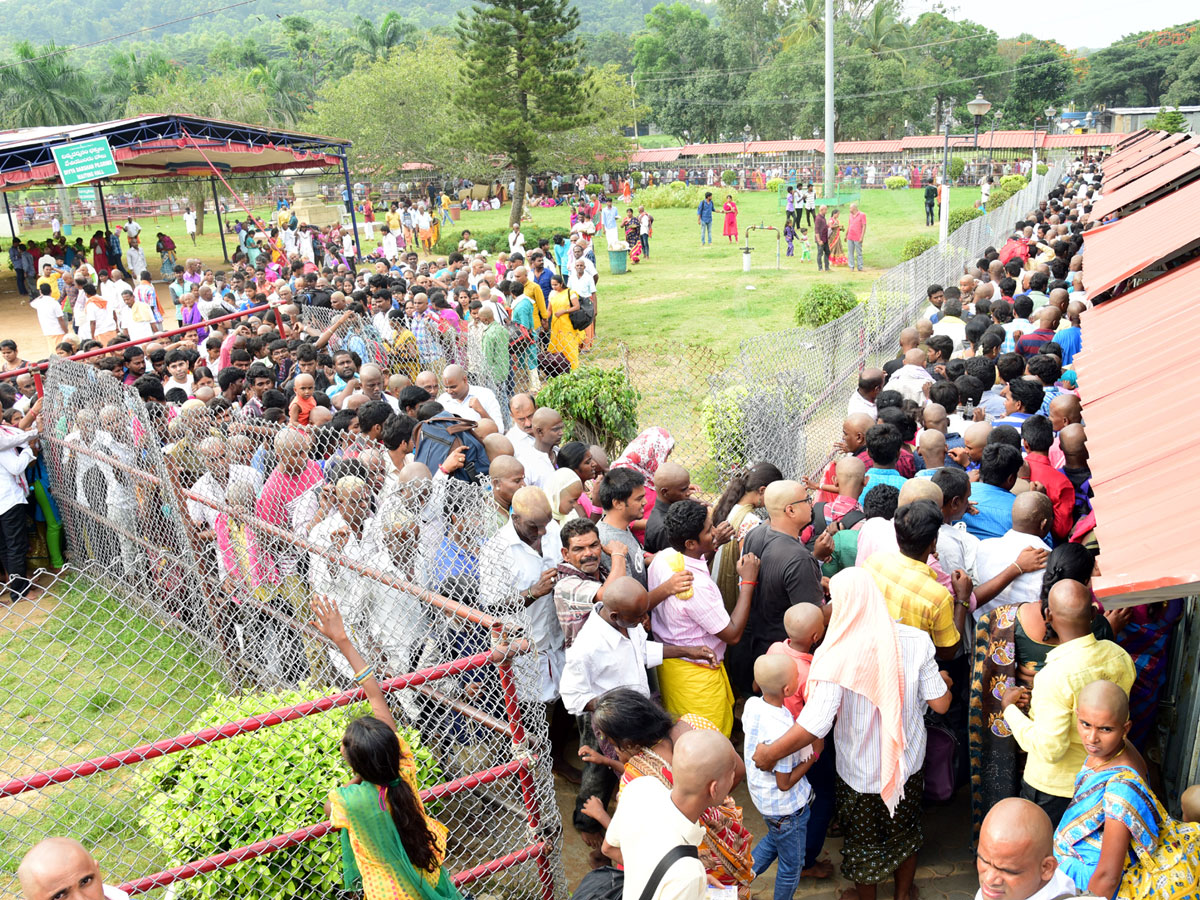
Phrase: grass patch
[93,678]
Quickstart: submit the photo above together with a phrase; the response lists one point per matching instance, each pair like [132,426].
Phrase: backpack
[819,523]
[438,437]
[604,883]
[585,315]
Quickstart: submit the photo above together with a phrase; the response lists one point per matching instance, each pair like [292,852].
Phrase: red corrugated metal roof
[1130,157]
[711,149]
[806,146]
[860,147]
[1179,172]
[1004,140]
[1149,164]
[663,154]
[1084,140]
[1142,460]
[1154,234]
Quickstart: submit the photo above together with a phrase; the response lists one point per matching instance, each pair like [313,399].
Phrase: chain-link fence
[169,702]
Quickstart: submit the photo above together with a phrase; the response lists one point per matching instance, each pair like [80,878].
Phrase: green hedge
[915,246]
[997,199]
[724,423]
[729,177]
[1043,169]
[492,240]
[593,189]
[774,184]
[958,165]
[895,182]
[598,406]
[678,195]
[247,789]
[1013,183]
[960,217]
[824,302]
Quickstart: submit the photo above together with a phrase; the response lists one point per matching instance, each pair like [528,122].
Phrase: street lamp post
[978,108]
[992,141]
[1050,112]
[745,160]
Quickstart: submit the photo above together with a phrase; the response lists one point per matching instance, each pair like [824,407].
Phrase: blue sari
[1164,855]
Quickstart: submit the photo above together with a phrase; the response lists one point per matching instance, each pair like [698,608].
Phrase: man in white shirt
[540,457]
[1015,855]
[14,521]
[134,317]
[578,253]
[131,228]
[524,554]
[51,318]
[189,222]
[215,483]
[516,240]
[113,287]
[1032,513]
[468,400]
[580,281]
[652,821]
[521,407]
[870,384]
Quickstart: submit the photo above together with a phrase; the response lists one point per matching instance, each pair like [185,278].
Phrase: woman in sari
[391,850]
[99,247]
[1011,644]
[564,339]
[644,454]
[166,253]
[641,735]
[731,210]
[1115,839]
[736,505]
[837,250]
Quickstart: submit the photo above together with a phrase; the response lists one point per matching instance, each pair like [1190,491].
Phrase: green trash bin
[618,262]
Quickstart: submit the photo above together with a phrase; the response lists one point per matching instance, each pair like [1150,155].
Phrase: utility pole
[829,164]
[633,109]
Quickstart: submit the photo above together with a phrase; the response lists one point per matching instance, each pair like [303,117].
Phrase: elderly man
[471,401]
[1031,515]
[912,379]
[1048,733]
[1015,855]
[61,868]
[541,458]
[521,407]
[214,484]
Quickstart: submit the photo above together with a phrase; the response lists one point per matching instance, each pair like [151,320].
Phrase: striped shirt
[914,596]
[856,733]
[764,723]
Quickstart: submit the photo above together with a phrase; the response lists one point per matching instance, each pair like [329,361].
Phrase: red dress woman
[99,252]
[731,229]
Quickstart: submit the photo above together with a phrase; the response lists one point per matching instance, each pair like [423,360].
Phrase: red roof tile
[1151,162]
[1177,173]
[1142,462]
[1129,157]
[1084,140]
[1154,234]
[711,149]
[851,148]
[806,146]
[664,154]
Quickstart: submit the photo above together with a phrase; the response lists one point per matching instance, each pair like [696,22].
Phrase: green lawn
[92,678]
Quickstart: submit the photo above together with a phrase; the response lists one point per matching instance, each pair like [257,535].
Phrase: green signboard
[82,161]
[86,195]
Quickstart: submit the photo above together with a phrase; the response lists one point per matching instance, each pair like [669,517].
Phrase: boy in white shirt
[782,795]
[50,317]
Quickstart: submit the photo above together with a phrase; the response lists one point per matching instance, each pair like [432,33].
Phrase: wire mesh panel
[170,703]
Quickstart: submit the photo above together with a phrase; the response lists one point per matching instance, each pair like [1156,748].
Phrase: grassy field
[81,678]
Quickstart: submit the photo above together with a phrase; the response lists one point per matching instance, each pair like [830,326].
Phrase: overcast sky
[1096,24]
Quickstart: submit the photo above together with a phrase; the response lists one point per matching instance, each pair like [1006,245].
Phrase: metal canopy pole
[103,211]
[12,229]
[217,209]
[350,193]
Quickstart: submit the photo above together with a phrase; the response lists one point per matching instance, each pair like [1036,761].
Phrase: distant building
[1128,119]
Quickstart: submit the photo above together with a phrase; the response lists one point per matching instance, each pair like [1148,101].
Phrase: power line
[58,51]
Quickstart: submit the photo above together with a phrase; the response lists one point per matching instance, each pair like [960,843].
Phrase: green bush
[1043,169]
[958,165]
[1013,183]
[729,177]
[636,178]
[822,303]
[774,184]
[960,217]
[997,199]
[593,189]
[895,182]
[676,195]
[598,406]
[724,424]
[493,240]
[915,246]
[246,789]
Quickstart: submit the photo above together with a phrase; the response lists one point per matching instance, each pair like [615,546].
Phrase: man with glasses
[788,574]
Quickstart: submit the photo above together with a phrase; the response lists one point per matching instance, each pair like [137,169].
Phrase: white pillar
[944,230]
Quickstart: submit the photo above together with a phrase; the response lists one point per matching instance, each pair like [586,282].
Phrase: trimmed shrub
[958,165]
[593,189]
[677,184]
[915,246]
[998,199]
[493,240]
[729,177]
[824,302]
[724,422]
[1013,183]
[1043,169]
[242,790]
[598,406]
[960,217]
[896,182]
[774,184]
[677,195]
[637,179]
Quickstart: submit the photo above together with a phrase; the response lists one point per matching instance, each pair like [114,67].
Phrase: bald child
[782,795]
[805,626]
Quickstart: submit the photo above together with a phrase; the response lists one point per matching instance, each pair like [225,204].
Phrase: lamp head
[979,106]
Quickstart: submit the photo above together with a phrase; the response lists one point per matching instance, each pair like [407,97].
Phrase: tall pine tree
[523,81]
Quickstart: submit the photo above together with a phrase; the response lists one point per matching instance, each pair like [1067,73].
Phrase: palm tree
[881,33]
[288,92]
[130,73]
[375,41]
[807,19]
[43,88]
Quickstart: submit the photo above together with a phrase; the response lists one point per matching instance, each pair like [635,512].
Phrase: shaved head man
[788,574]
[675,487]
[507,476]
[1021,548]
[497,445]
[1015,857]
[870,383]
[541,459]
[1065,409]
[60,868]
[1048,732]
[471,401]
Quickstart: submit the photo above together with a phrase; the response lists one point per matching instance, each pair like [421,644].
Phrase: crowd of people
[915,618]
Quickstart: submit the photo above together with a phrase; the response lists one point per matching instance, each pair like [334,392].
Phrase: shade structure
[1163,178]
